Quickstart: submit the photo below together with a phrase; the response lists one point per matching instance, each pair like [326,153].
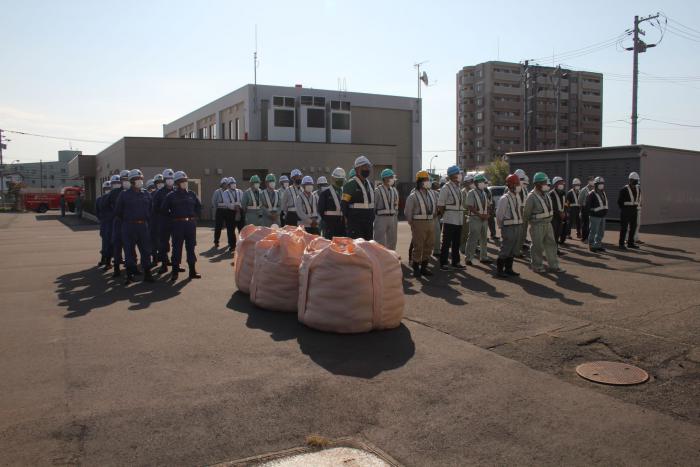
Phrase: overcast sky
[98,70]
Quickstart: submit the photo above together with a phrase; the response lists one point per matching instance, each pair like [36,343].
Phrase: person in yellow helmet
[420,210]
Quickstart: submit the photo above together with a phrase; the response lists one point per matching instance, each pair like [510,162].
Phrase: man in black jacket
[628,200]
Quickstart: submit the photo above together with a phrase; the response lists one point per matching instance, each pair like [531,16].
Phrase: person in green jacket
[538,213]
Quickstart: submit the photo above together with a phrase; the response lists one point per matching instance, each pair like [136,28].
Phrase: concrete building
[44,174]
[504,107]
[668,176]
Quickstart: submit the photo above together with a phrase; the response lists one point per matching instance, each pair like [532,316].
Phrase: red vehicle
[42,201]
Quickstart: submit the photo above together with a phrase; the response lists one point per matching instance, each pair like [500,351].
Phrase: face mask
[339,183]
[169,182]
[577,187]
[138,183]
[256,186]
[232,186]
[560,187]
[633,182]
[545,188]
[590,184]
[117,185]
[309,188]
[106,191]
[364,173]
[391,182]
[600,187]
[183,185]
[481,185]
[518,189]
[271,185]
[126,184]
[297,181]
[159,186]
[426,185]
[285,185]
[324,187]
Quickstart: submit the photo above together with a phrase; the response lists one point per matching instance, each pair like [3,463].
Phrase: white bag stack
[245,255]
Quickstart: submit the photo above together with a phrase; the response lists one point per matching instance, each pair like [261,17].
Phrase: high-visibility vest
[293,192]
[391,202]
[271,205]
[560,205]
[367,196]
[634,200]
[546,208]
[309,205]
[426,205]
[336,201]
[456,204]
[575,196]
[601,205]
[255,201]
[481,208]
[516,217]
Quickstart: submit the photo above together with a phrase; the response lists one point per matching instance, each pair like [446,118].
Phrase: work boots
[173,275]
[147,276]
[509,267]
[416,269]
[129,276]
[163,268]
[108,263]
[117,270]
[193,272]
[103,260]
[424,269]
[500,265]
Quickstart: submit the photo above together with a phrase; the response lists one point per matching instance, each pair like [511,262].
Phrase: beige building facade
[504,107]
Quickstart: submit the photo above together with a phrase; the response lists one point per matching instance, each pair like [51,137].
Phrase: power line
[685,125]
[680,24]
[584,50]
[81,140]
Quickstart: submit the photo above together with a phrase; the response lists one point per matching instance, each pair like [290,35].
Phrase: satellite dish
[424,78]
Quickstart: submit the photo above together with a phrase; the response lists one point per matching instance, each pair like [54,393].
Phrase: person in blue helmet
[117,247]
[134,211]
[162,221]
[183,207]
[289,197]
[307,207]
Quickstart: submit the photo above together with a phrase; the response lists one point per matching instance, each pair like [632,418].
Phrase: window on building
[63,171]
[289,102]
[480,101]
[480,115]
[320,101]
[479,143]
[340,121]
[237,129]
[479,130]
[479,87]
[316,118]
[306,100]
[278,101]
[212,131]
[284,118]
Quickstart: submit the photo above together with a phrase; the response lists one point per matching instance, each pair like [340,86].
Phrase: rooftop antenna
[421,78]
[255,73]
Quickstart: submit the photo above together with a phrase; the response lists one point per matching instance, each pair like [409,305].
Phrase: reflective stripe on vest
[634,200]
[271,206]
[423,206]
[575,196]
[481,208]
[336,201]
[252,197]
[515,212]
[365,198]
[390,202]
[546,209]
[294,193]
[601,206]
[309,207]
[558,199]
[456,197]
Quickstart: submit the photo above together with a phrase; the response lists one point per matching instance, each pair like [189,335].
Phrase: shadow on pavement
[73,222]
[677,229]
[360,355]
[85,291]
[541,290]
[216,255]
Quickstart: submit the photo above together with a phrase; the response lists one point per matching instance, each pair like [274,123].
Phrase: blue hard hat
[453,170]
[296,173]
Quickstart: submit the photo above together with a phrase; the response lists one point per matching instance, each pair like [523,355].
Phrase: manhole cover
[615,373]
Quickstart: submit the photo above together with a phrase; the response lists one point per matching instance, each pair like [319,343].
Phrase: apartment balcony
[497,105]
[507,133]
[510,77]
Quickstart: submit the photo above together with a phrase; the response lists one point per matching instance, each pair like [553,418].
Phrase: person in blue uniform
[107,219]
[154,226]
[162,221]
[117,246]
[104,246]
[183,208]
[134,210]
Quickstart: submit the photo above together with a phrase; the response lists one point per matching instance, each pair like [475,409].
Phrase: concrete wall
[210,160]
[669,185]
[386,126]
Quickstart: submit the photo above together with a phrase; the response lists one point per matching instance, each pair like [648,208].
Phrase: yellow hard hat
[422,174]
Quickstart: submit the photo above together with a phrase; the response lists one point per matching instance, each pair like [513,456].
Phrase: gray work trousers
[542,236]
[478,233]
[385,230]
[510,235]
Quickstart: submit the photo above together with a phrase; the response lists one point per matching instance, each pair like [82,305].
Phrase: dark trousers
[291,218]
[359,229]
[106,236]
[117,246]
[236,225]
[492,226]
[219,220]
[333,226]
[451,235]
[154,227]
[229,219]
[136,235]
[313,230]
[165,231]
[184,232]
[560,228]
[585,225]
[628,225]
[574,220]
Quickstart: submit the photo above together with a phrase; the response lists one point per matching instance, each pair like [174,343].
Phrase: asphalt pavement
[481,372]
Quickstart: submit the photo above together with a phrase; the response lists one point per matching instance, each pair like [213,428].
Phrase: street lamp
[431,163]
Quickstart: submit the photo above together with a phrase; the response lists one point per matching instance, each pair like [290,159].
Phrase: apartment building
[45,174]
[508,107]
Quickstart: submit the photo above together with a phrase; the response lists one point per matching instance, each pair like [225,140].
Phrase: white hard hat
[296,173]
[525,179]
[124,174]
[556,180]
[150,182]
[231,180]
[469,178]
[362,160]
[598,180]
[634,176]
[168,173]
[338,172]
[284,178]
[576,181]
[106,184]
[179,175]
[520,173]
[115,179]
[307,180]
[224,181]
[135,173]
[321,180]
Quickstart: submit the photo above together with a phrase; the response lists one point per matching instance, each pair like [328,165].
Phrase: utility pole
[525,106]
[639,46]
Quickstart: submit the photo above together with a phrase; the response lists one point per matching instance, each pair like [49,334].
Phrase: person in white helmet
[468,185]
[219,204]
[597,207]
[283,185]
[522,244]
[307,206]
[582,200]
[573,207]
[104,217]
[332,224]
[289,197]
[236,210]
[162,221]
[629,199]
[559,221]
[117,245]
[183,207]
[358,201]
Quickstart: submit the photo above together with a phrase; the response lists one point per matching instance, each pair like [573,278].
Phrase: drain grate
[613,373]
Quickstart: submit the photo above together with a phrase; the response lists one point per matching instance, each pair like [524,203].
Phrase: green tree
[497,171]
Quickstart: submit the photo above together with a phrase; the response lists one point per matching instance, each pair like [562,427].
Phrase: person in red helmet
[510,220]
